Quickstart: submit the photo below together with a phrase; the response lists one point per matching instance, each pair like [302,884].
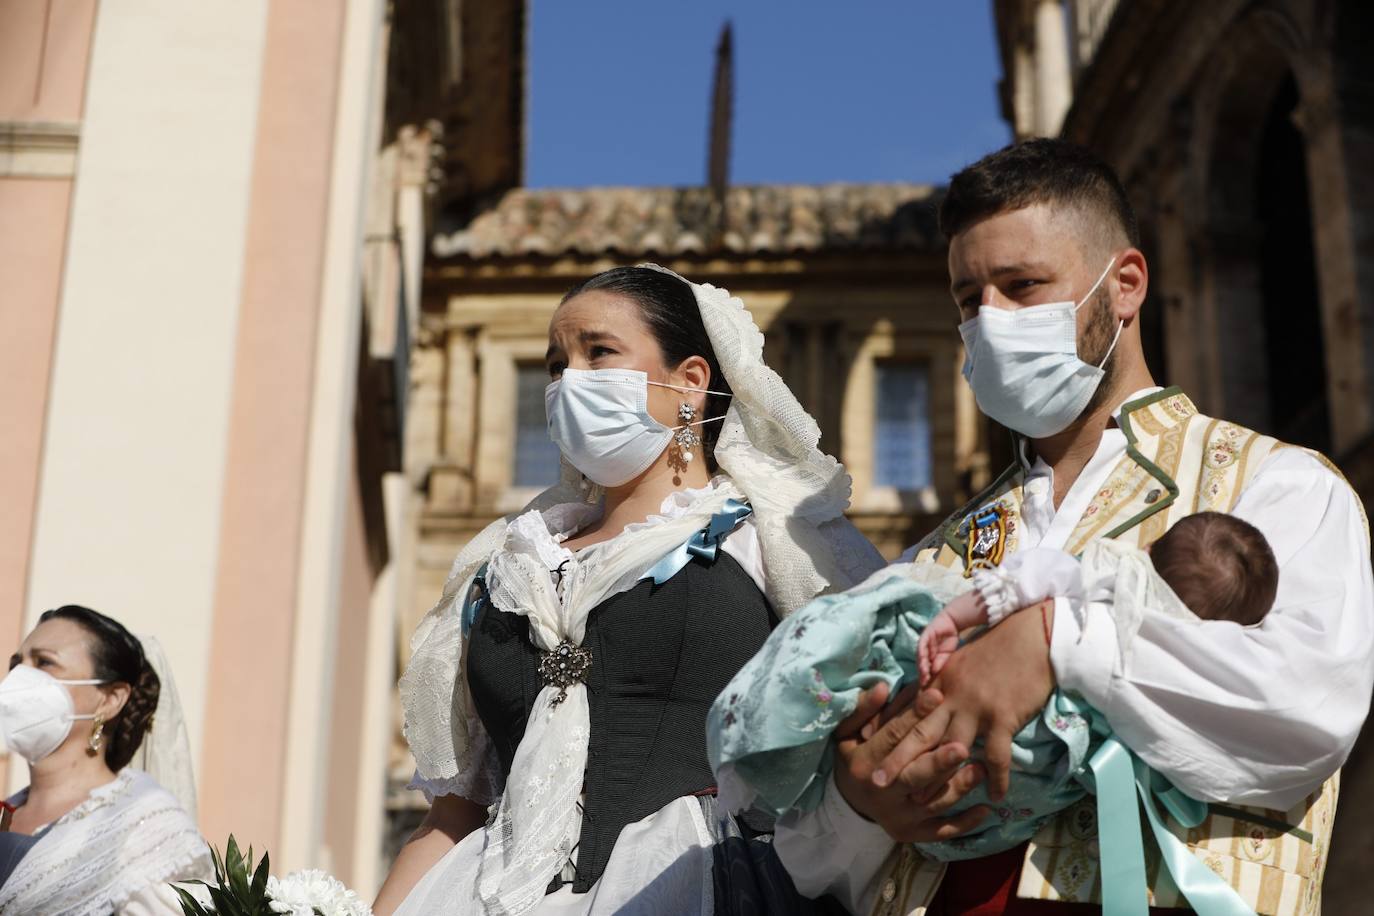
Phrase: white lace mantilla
[128,836]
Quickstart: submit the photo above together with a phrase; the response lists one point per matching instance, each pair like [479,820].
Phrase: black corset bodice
[660,656]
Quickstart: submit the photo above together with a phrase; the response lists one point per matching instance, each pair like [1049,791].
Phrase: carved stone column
[1053,83]
[1340,145]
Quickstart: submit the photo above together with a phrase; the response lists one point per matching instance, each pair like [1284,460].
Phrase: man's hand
[990,688]
[909,809]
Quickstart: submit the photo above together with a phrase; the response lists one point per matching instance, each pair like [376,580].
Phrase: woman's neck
[60,781]
[636,500]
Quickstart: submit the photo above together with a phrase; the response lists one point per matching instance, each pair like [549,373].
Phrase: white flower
[302,893]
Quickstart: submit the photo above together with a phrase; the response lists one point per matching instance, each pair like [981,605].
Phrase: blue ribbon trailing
[703,544]
[1121,776]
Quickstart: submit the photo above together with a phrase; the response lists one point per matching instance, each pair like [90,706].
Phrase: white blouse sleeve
[833,850]
[453,752]
[1255,715]
[153,900]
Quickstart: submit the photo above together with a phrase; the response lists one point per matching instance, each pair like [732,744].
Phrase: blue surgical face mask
[600,421]
[1023,364]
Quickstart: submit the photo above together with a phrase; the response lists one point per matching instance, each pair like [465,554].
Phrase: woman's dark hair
[117,656]
[669,308]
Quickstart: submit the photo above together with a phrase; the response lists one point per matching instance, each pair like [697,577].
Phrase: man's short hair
[1040,171]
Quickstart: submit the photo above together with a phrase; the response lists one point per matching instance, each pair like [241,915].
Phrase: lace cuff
[479,781]
[997,590]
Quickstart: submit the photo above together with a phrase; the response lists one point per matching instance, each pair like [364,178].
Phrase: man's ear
[1132,279]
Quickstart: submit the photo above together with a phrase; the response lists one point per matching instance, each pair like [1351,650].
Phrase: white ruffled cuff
[998,591]
[475,785]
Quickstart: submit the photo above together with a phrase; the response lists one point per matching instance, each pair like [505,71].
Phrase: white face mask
[36,711]
[599,419]
[1024,368]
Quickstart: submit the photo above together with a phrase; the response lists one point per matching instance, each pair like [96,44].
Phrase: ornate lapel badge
[986,539]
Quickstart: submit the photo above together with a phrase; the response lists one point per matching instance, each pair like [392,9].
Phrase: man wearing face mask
[1251,722]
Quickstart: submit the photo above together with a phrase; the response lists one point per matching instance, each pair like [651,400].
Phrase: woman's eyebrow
[597,336]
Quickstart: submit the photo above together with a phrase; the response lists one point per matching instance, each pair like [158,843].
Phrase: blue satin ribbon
[703,544]
[1121,776]
[474,603]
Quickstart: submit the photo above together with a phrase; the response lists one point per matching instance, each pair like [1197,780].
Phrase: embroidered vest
[1177,462]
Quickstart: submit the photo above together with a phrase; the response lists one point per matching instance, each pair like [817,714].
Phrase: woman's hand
[911,807]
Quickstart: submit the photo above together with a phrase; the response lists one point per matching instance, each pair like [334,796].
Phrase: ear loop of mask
[674,429]
[87,682]
[1120,324]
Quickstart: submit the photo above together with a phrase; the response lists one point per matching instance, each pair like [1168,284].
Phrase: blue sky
[865,90]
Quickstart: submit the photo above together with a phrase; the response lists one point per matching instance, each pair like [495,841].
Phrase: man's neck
[1068,453]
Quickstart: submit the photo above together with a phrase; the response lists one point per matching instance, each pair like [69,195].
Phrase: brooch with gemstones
[564,666]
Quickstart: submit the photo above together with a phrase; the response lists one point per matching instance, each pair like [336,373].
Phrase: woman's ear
[112,701]
[693,372]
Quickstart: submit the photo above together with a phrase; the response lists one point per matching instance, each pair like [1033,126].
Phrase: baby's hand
[938,643]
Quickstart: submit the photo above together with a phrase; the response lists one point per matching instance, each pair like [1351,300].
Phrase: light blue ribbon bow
[1121,776]
[703,544]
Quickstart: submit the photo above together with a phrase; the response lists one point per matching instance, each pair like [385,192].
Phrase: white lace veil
[768,445]
[165,753]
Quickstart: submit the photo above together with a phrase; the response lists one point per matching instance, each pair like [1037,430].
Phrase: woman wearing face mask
[91,834]
[564,678]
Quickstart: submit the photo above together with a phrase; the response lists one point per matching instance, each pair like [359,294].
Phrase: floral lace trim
[541,533]
[97,798]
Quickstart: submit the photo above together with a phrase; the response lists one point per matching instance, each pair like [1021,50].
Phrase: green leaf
[189,905]
[260,878]
[225,904]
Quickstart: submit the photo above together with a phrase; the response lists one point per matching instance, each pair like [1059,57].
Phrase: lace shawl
[127,836]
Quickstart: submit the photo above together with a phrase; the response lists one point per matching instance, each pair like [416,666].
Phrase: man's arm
[1254,715]
[1251,715]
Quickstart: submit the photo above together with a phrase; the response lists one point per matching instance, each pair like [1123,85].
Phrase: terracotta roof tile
[762,219]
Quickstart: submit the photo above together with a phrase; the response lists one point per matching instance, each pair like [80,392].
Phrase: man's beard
[1097,344]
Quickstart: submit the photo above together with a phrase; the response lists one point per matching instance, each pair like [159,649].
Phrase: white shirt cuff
[1083,650]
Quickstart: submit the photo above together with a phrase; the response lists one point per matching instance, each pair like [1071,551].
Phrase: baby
[768,734]
[1219,566]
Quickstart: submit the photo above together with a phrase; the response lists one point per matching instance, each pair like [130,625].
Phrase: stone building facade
[1244,131]
[213,219]
[848,283]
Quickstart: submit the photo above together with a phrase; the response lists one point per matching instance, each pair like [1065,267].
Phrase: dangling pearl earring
[686,438]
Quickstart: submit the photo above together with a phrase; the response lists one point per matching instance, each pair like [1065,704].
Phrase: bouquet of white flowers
[242,889]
